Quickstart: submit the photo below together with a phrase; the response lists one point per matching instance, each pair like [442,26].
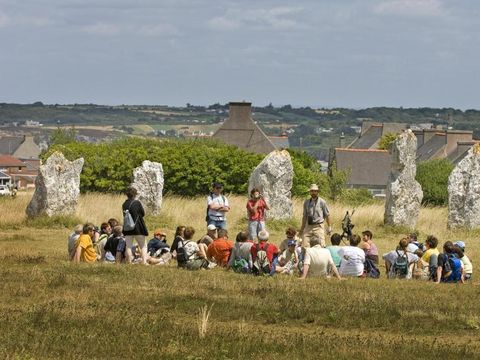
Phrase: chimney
[428,134]
[240,113]
[456,136]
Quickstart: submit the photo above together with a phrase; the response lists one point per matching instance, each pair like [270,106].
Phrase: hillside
[315,130]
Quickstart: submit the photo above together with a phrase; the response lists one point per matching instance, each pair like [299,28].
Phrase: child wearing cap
[288,259]
[467,264]
[158,245]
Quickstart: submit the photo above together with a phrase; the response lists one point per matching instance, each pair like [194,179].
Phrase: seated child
[335,239]
[467,264]
[288,259]
[115,246]
[367,245]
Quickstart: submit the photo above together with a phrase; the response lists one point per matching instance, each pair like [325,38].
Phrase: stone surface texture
[274,178]
[57,187]
[464,192]
[404,193]
[148,180]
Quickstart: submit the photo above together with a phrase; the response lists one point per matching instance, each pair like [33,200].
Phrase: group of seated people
[359,258]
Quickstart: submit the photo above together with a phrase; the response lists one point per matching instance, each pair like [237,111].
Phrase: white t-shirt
[319,260]
[352,260]
[217,200]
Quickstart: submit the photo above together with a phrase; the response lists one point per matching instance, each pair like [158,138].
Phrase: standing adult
[315,214]
[256,207]
[217,207]
[139,232]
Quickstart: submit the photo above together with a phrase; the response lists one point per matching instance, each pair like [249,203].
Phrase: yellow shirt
[88,252]
[428,253]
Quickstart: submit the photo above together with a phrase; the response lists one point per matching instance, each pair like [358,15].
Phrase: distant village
[368,167]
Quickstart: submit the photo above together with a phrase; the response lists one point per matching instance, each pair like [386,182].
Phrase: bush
[433,177]
[190,166]
[356,197]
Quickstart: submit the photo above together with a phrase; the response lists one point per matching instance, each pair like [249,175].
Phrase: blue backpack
[452,268]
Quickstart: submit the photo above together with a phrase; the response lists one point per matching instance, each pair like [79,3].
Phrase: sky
[318,53]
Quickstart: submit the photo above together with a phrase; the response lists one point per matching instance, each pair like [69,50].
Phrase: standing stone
[464,192]
[148,180]
[404,193]
[57,187]
[274,178]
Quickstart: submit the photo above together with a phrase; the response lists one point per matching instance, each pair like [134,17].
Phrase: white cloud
[422,8]
[158,30]
[277,18]
[101,28]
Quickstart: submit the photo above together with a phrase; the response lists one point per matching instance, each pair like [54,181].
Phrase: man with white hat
[315,214]
[211,234]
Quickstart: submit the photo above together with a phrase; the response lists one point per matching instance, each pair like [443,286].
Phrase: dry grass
[51,309]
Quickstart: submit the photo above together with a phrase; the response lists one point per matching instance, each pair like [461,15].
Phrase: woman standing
[139,232]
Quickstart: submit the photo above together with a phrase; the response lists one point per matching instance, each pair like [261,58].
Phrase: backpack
[207,217]
[371,269]
[240,265]
[452,268]
[261,265]
[400,265]
[182,256]
[128,223]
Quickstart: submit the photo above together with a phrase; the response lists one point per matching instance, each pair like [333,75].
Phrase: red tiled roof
[8,160]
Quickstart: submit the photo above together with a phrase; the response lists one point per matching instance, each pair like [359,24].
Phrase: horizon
[294,106]
[353,54]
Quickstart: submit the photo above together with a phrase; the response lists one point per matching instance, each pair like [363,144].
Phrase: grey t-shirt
[317,209]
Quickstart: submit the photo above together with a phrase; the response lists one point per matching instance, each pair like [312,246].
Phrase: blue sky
[351,53]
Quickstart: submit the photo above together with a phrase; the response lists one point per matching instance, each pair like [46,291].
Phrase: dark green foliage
[433,177]
[307,171]
[190,166]
[337,181]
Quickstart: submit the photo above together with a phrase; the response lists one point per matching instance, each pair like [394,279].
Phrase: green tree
[386,140]
[433,177]
[337,181]
[190,166]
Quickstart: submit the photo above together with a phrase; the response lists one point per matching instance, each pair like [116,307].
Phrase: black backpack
[182,256]
[400,266]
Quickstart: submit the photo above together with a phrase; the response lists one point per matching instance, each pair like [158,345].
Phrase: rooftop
[10,161]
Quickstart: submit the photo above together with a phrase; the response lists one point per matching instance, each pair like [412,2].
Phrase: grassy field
[51,308]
